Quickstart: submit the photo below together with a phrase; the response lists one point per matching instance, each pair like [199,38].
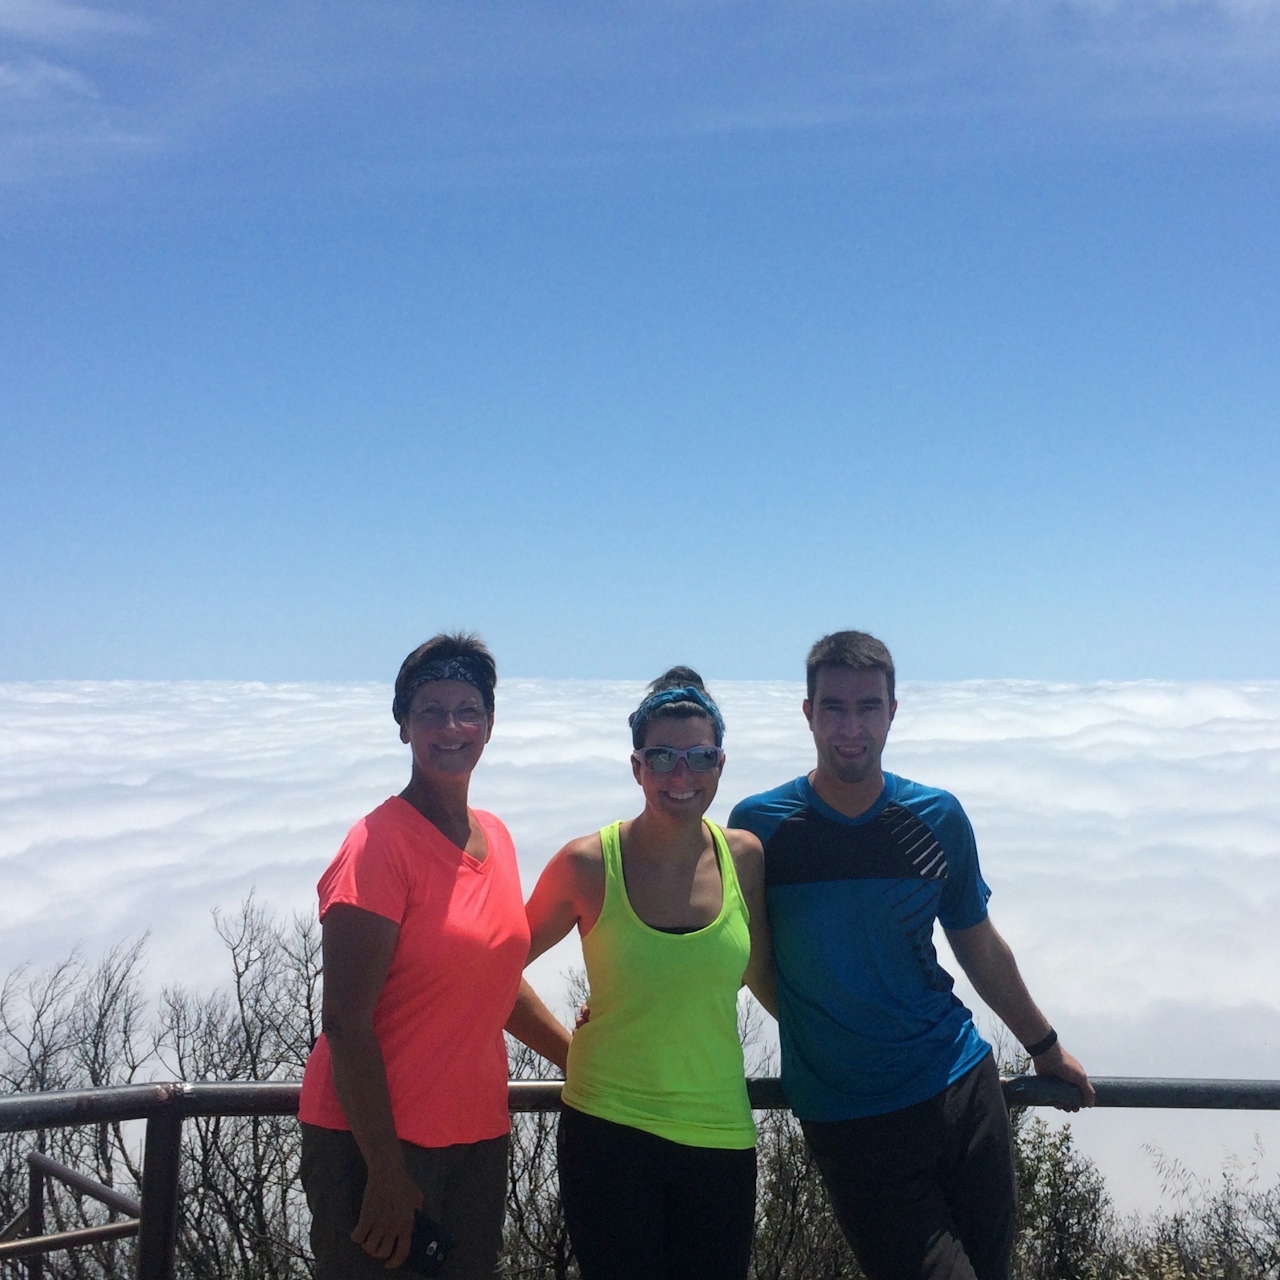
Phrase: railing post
[35,1219]
[158,1228]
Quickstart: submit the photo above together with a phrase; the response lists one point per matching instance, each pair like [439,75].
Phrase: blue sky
[634,334]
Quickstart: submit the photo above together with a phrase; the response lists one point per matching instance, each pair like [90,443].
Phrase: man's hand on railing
[1056,1061]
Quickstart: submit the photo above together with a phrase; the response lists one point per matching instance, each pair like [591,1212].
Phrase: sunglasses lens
[664,759]
[660,759]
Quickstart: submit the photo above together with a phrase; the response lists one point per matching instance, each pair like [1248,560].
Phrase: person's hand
[1058,1062]
[386,1215]
[584,1016]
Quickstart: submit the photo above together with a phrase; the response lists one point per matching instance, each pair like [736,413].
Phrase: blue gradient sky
[640,333]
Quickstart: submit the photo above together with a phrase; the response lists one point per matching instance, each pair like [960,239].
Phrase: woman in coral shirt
[404,1099]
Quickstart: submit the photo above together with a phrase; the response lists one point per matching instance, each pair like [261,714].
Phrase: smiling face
[682,793]
[850,717]
[447,728]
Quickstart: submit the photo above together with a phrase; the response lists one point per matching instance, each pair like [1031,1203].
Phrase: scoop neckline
[724,891]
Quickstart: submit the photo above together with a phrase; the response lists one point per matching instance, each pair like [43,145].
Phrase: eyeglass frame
[680,754]
[439,717]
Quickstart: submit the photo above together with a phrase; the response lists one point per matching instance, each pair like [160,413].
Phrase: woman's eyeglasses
[664,759]
[463,717]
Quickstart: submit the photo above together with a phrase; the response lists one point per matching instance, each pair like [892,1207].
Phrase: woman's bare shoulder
[747,851]
[742,843]
[580,862]
[583,857]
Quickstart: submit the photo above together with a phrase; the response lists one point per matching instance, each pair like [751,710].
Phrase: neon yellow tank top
[661,1051]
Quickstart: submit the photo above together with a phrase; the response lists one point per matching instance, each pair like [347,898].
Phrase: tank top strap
[730,889]
[614,884]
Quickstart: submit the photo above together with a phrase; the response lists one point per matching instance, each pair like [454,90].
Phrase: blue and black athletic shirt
[867,1017]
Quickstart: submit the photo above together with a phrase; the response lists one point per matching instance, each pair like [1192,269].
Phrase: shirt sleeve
[368,872]
[964,892]
[741,819]
[762,814]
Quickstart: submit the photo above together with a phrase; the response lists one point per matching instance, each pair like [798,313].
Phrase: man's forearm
[989,964]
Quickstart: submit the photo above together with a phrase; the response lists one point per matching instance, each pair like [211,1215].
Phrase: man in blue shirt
[896,1091]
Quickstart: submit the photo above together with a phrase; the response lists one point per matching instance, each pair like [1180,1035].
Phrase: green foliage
[1068,1229]
[1065,1219]
[797,1237]
[1227,1232]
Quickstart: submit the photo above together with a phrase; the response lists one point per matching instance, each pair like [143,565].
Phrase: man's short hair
[853,649]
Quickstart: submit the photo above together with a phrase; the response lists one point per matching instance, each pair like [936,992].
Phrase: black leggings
[639,1207]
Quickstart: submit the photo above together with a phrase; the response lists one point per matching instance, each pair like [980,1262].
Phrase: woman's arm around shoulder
[535,1025]
[748,862]
[569,891]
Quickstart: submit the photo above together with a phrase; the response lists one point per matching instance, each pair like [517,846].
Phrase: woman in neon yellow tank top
[657,1144]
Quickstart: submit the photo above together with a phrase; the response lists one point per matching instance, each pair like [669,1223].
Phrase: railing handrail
[46,1166]
[165,1105]
[55,1108]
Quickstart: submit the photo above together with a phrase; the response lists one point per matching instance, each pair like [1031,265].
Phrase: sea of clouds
[1130,832]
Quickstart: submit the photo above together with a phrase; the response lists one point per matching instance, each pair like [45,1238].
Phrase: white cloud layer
[1130,832]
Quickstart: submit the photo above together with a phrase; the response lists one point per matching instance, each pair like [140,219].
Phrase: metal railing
[165,1106]
[31,1220]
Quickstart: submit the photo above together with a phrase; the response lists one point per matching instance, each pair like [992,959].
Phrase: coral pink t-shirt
[453,980]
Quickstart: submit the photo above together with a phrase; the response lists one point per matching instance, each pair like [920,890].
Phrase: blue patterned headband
[664,697]
[464,667]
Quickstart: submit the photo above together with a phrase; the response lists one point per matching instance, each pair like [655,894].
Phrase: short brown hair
[853,649]
[440,648]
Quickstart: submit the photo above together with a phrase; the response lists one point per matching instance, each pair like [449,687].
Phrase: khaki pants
[464,1188]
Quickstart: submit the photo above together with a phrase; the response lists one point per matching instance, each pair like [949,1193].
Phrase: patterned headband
[464,667]
[687,693]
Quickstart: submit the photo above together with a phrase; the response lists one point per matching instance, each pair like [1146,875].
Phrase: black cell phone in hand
[428,1246]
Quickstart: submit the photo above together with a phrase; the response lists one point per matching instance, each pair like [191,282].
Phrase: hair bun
[676,694]
[678,678]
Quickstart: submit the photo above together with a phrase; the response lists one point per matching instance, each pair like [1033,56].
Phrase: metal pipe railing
[41,1164]
[164,1106]
[35,1247]
[37,1244]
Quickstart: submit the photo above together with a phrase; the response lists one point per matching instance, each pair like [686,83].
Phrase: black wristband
[1042,1046]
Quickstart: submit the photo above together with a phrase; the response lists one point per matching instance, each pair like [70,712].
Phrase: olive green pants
[464,1189]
